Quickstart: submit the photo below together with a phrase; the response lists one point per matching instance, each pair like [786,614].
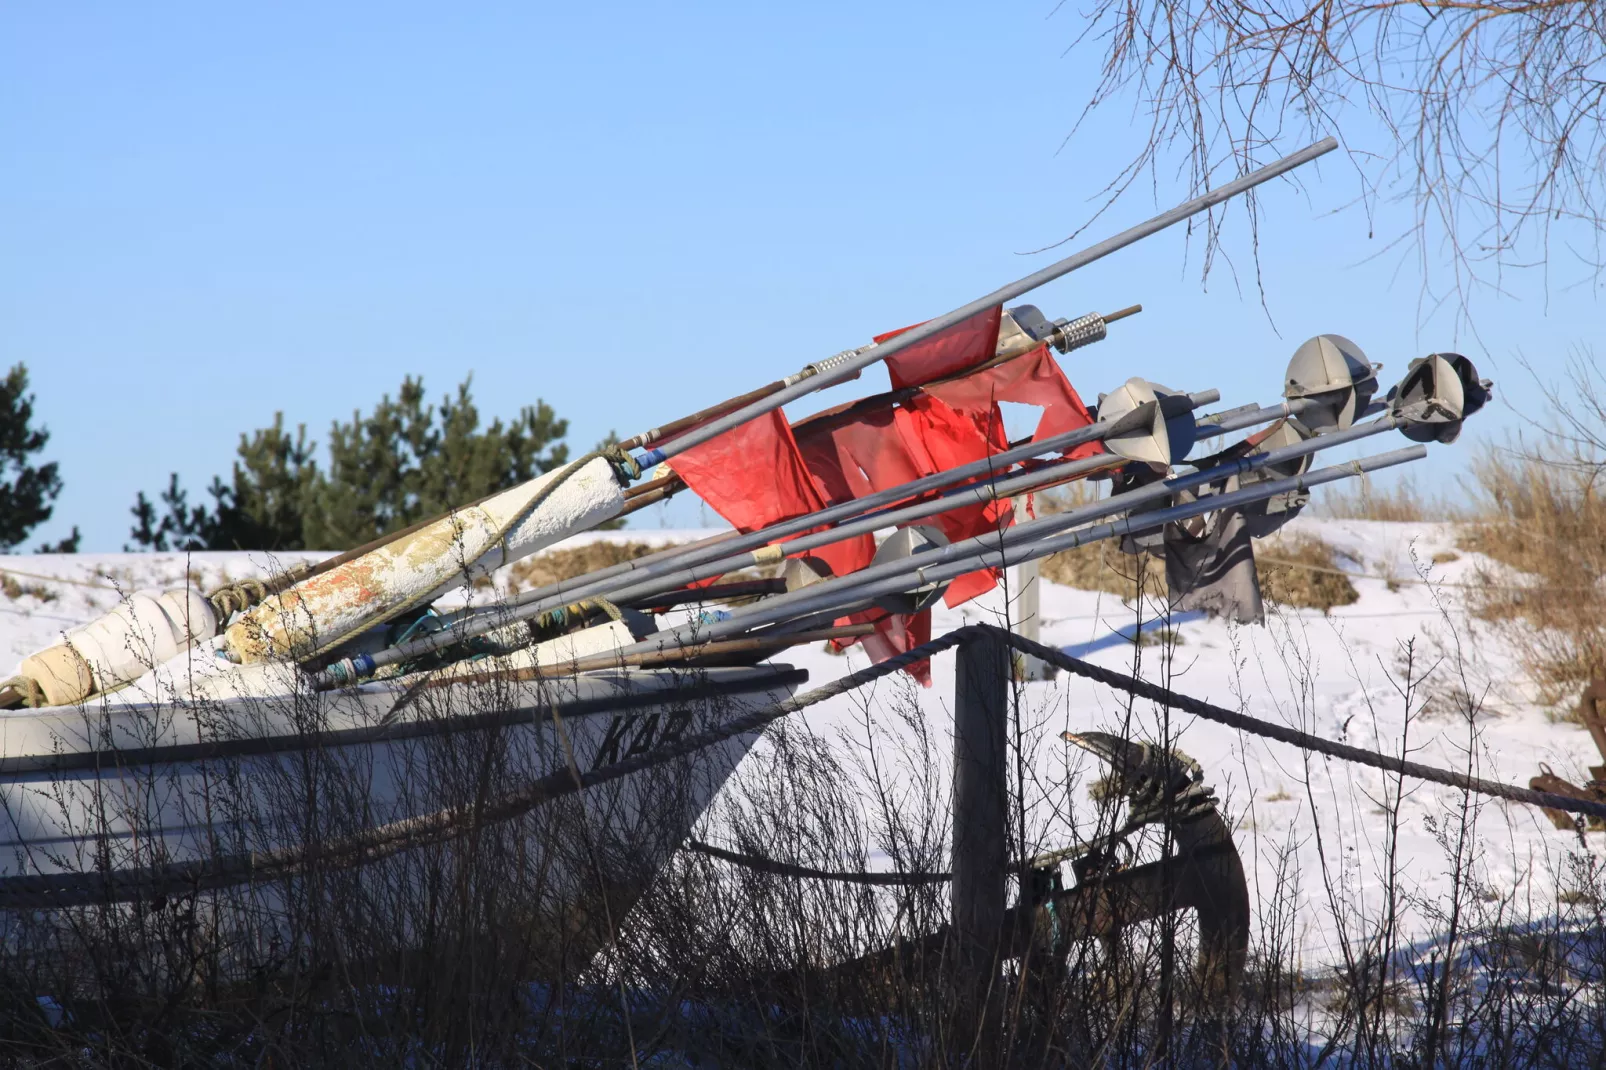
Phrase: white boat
[127,797]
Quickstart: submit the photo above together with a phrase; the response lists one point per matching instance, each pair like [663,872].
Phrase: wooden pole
[1025,612]
[981,842]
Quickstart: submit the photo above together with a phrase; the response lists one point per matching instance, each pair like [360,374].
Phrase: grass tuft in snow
[1544,520]
[571,561]
[1302,571]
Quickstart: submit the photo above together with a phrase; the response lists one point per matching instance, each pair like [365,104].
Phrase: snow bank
[1338,675]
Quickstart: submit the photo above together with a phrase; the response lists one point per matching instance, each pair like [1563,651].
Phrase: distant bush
[1101,566]
[1539,513]
[1545,520]
[568,562]
[1303,571]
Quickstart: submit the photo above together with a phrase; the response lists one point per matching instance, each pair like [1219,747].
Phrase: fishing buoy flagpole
[850,363]
[318,613]
[858,516]
[1141,432]
[293,623]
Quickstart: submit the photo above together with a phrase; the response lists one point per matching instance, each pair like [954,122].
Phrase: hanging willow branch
[1487,116]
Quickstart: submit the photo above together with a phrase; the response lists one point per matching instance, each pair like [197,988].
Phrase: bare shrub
[13,588]
[1542,518]
[1101,566]
[578,934]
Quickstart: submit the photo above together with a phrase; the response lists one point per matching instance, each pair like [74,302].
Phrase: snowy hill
[1338,675]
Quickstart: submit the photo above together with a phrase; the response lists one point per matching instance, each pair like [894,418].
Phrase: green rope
[556,621]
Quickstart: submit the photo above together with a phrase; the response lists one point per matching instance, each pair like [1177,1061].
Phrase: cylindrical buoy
[321,612]
[146,630]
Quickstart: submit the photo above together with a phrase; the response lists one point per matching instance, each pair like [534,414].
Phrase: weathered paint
[318,613]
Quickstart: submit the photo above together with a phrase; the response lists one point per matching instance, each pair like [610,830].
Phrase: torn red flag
[754,476]
[894,634]
[948,352]
[948,440]
[851,455]
[1032,379]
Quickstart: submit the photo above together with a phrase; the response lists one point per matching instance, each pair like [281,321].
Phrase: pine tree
[27,493]
[68,545]
[183,527]
[275,481]
[404,462]
[407,462]
[372,460]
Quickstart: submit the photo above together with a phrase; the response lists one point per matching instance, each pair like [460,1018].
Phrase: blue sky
[211,213]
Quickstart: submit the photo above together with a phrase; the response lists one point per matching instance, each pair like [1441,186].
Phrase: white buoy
[323,611]
[146,630]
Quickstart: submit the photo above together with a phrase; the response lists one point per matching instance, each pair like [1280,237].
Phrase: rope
[555,620]
[787,869]
[237,598]
[1243,722]
[33,696]
[69,889]
[1285,563]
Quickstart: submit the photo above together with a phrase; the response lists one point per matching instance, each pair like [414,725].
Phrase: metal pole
[1025,617]
[1037,529]
[937,566]
[1015,537]
[981,841]
[678,561]
[849,364]
[723,553]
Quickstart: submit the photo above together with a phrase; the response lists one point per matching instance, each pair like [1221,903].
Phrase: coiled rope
[236,598]
[27,688]
[558,620]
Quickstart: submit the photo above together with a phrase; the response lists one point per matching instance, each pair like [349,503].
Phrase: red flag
[847,556]
[1033,379]
[888,446]
[948,352]
[894,633]
[753,476]
[948,439]
[852,458]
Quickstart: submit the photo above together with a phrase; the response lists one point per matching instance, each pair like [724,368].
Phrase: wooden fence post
[981,839]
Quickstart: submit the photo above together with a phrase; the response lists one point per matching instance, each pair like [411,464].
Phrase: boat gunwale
[114,759]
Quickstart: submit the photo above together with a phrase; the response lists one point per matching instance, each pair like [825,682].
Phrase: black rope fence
[193,876]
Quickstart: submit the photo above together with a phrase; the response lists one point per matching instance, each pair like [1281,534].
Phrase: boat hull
[97,795]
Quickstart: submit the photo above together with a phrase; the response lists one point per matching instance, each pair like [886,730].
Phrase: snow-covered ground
[1317,829]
